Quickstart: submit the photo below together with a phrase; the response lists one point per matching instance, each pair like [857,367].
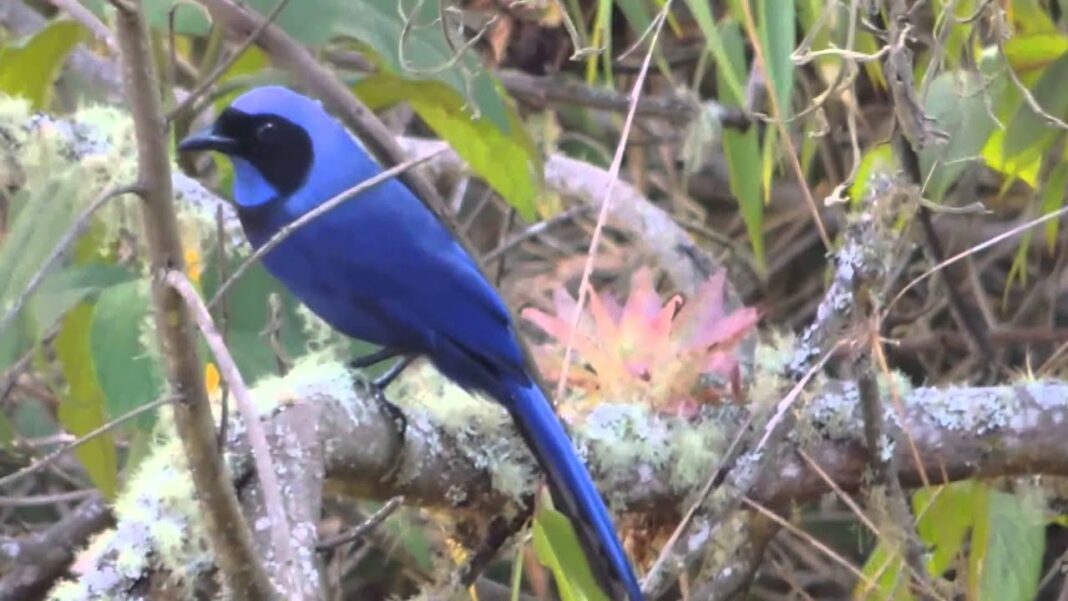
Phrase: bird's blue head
[279,142]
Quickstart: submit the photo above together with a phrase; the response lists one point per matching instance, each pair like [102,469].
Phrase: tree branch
[32,563]
[447,463]
[280,539]
[227,530]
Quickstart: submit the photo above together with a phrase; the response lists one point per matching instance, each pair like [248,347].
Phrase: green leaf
[877,160]
[742,148]
[379,25]
[776,31]
[558,549]
[1053,199]
[1028,52]
[1028,130]
[1016,540]
[636,14]
[63,289]
[727,69]
[946,513]
[29,67]
[248,316]
[957,101]
[81,408]
[41,217]
[885,569]
[251,62]
[1030,16]
[509,163]
[127,374]
[410,45]
[602,40]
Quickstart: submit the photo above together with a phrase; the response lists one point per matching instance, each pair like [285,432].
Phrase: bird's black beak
[208,140]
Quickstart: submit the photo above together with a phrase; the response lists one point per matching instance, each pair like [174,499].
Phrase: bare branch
[281,534]
[51,458]
[33,562]
[230,538]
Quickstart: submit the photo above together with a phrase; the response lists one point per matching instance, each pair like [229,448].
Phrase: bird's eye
[265,131]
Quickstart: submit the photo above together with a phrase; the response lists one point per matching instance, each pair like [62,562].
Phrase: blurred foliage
[87,334]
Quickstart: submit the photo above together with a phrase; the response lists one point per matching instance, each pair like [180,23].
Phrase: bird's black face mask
[278,148]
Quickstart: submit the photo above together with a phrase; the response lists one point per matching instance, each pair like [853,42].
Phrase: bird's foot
[400,425]
[378,386]
[383,381]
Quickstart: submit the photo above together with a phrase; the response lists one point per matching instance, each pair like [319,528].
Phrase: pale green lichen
[157,527]
[697,448]
[775,355]
[313,377]
[478,427]
[67,590]
[321,338]
[96,145]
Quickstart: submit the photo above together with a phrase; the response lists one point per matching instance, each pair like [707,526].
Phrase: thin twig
[223,319]
[261,451]
[972,250]
[361,529]
[60,249]
[89,20]
[535,230]
[51,458]
[772,429]
[811,540]
[606,203]
[219,71]
[52,499]
[306,218]
[777,114]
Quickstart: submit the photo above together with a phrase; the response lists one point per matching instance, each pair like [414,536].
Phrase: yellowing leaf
[1028,52]
[1024,166]
[508,162]
[82,407]
[558,549]
[28,68]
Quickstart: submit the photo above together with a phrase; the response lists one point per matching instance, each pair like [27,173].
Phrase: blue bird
[383,269]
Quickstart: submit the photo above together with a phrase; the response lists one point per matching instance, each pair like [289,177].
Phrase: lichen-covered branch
[33,562]
[462,455]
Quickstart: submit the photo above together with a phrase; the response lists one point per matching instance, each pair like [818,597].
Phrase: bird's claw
[400,425]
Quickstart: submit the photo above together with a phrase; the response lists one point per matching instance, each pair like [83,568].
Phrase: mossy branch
[461,454]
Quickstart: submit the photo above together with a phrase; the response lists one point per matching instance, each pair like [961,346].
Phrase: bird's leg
[383,381]
[382,354]
[400,421]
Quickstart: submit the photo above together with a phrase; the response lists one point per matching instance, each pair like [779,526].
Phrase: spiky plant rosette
[673,356]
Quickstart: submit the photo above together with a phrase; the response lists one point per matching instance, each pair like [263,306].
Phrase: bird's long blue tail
[573,491]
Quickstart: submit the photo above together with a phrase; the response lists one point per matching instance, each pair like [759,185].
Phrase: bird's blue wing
[393,258]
